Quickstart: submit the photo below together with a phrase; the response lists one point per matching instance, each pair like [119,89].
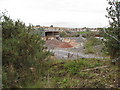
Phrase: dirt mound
[64,45]
[53,42]
[73,44]
[56,43]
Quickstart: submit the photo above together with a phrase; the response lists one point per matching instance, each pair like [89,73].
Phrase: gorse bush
[23,54]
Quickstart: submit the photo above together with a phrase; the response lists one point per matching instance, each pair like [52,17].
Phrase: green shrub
[23,56]
[112,33]
[91,43]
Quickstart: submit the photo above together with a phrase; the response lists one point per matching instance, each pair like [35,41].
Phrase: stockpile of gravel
[51,44]
[64,45]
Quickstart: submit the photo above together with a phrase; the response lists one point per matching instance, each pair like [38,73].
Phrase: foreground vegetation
[81,73]
[23,54]
[112,33]
[27,64]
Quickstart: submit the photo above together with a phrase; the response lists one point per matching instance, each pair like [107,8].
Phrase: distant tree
[51,26]
[112,33]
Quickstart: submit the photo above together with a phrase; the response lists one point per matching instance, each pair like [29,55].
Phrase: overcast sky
[62,13]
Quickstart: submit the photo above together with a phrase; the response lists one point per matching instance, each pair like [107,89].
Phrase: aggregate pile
[64,45]
[57,44]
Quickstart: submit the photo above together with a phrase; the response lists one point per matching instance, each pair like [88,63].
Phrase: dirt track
[66,54]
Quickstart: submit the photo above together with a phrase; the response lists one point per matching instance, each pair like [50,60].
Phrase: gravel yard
[65,50]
